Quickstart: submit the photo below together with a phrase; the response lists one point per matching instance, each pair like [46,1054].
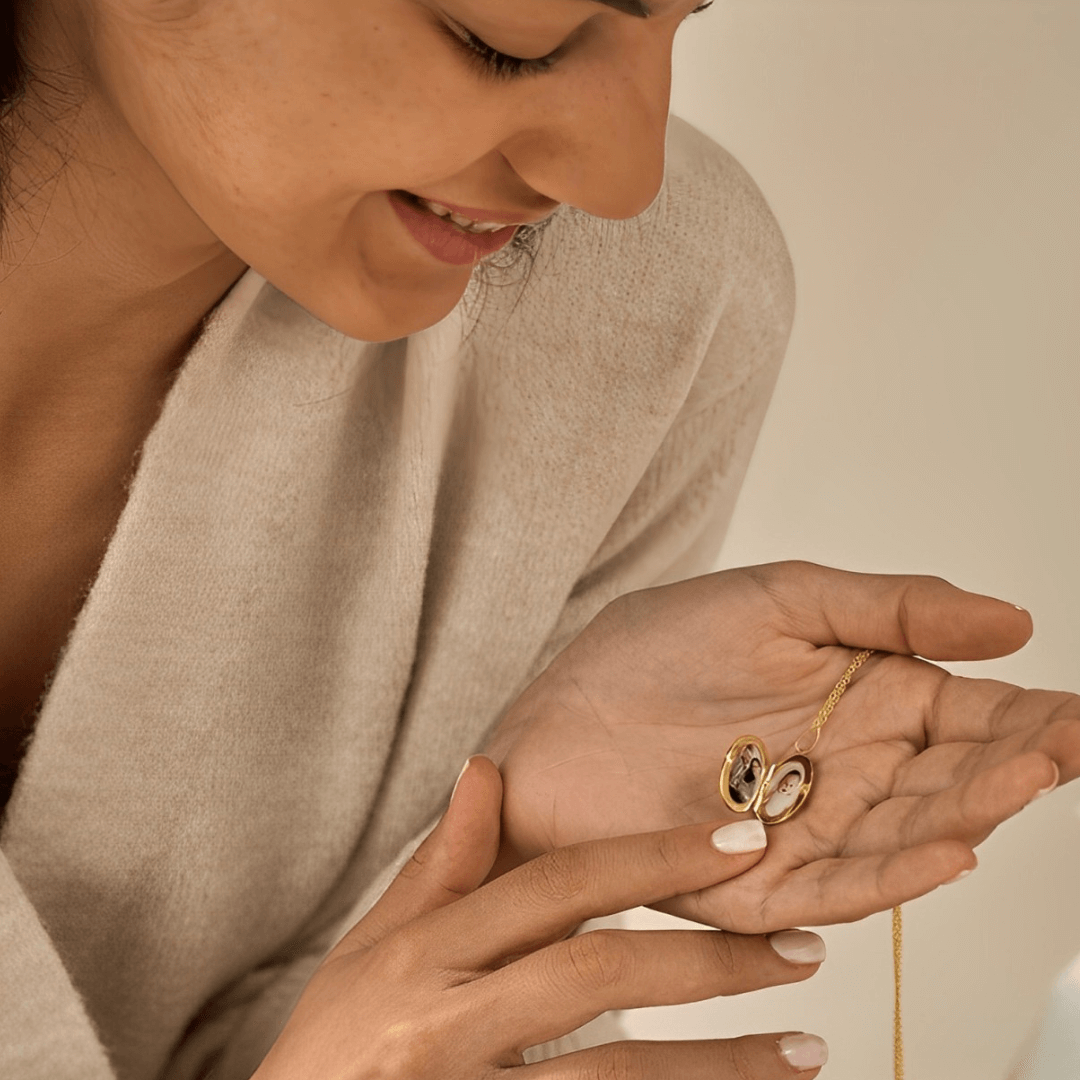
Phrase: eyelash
[503,68]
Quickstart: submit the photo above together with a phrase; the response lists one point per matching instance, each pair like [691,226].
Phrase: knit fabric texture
[339,563]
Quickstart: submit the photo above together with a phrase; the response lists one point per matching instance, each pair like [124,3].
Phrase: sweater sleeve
[35,985]
[671,528]
[234,1034]
[674,523]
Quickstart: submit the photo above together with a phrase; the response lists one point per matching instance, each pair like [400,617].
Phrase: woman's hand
[627,729]
[446,980]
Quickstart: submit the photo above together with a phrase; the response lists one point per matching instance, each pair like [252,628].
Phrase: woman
[373,530]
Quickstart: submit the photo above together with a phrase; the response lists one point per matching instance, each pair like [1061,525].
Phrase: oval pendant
[745,767]
[784,791]
[773,792]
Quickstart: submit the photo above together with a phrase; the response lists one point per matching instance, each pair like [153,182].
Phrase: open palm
[627,729]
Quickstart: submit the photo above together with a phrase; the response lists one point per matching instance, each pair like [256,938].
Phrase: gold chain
[897,915]
[898,1030]
[830,702]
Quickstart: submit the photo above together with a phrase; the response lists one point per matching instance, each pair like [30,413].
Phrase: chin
[382,313]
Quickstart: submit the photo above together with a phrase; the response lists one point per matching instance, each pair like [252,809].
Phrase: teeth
[462,222]
[436,208]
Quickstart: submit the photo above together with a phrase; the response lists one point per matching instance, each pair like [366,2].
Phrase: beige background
[923,159]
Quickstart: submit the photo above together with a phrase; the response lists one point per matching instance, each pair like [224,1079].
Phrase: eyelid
[502,66]
[471,39]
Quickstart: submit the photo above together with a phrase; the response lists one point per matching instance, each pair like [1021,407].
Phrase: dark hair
[496,272]
[13,82]
[63,92]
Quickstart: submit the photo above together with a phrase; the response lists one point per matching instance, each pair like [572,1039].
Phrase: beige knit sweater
[339,562]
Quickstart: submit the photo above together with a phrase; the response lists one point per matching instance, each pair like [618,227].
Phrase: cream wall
[923,159]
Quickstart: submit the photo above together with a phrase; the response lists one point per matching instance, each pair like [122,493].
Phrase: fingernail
[1046,790]
[739,838]
[962,874]
[1019,608]
[464,769]
[803,1051]
[798,946]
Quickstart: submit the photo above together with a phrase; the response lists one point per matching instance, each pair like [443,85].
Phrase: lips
[473,213]
[452,217]
[443,239]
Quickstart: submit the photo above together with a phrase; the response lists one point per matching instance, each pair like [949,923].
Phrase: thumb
[453,860]
[899,613]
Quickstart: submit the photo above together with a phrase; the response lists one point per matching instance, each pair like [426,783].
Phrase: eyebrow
[628,7]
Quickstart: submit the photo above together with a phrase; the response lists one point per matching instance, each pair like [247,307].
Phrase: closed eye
[501,67]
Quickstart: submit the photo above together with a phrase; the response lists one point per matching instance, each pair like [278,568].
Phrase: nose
[595,140]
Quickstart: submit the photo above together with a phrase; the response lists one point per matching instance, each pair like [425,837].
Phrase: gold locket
[773,792]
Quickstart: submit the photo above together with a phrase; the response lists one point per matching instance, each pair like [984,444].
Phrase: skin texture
[449,978]
[173,143]
[213,136]
[219,134]
[628,727]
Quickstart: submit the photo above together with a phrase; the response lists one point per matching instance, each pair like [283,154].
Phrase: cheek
[273,117]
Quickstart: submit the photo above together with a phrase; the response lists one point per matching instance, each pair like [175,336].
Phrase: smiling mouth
[415,200]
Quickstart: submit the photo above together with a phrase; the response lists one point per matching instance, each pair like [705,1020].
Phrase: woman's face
[284,123]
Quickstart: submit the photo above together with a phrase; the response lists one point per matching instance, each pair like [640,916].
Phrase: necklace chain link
[830,703]
[897,916]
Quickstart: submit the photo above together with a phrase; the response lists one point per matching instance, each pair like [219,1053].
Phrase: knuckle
[667,851]
[557,877]
[409,1048]
[416,865]
[721,954]
[737,1060]
[620,1061]
[597,959]
[402,951]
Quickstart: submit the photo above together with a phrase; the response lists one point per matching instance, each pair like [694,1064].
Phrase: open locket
[773,792]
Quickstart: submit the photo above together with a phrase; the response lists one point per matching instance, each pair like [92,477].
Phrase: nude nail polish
[803,1051]
[798,946]
[740,838]
[464,769]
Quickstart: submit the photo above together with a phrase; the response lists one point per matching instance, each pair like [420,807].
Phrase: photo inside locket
[745,775]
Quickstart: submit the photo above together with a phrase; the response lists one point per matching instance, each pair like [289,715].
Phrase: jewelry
[776,792]
[898,1029]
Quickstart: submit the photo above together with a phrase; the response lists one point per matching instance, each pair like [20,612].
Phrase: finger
[979,710]
[450,863]
[967,810]
[752,1057]
[549,896]
[558,988]
[826,891]
[900,613]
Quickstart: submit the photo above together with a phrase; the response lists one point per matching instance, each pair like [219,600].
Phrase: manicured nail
[798,946]
[739,838]
[464,769]
[962,874]
[1046,790]
[803,1051]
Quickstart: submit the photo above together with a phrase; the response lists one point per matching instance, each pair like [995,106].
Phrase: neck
[105,271]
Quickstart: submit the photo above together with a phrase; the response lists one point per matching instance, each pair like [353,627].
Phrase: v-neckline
[235,301]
